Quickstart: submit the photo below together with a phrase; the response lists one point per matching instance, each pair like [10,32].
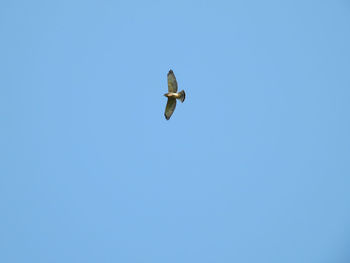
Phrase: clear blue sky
[253,167]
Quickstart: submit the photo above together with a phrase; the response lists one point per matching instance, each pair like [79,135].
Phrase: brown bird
[172,95]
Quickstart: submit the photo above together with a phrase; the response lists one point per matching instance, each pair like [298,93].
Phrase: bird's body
[172,95]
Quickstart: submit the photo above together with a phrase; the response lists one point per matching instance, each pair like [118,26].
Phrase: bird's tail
[182,95]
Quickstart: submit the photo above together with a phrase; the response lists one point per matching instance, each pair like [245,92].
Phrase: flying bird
[172,95]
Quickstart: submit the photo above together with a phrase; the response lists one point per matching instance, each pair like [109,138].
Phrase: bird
[172,95]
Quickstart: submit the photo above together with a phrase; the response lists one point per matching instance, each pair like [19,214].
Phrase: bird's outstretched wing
[170,107]
[172,84]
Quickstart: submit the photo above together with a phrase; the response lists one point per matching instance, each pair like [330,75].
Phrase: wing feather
[170,107]
[172,83]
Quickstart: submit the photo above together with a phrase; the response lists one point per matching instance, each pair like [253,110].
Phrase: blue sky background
[253,167]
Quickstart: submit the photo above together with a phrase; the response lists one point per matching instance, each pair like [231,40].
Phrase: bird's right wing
[170,107]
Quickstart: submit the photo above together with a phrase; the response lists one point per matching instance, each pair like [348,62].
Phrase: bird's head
[166,94]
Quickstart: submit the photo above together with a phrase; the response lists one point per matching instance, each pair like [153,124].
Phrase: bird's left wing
[172,83]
